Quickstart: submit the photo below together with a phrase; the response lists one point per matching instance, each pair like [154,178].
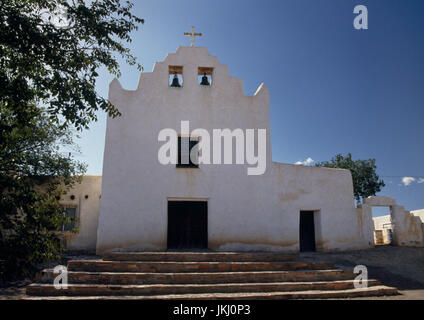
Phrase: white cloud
[407,180]
[307,162]
[420,180]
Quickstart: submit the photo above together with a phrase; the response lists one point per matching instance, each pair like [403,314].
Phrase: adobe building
[148,206]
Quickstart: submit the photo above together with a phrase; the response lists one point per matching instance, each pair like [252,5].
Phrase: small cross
[192,35]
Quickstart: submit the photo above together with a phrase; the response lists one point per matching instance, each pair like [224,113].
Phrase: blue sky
[333,89]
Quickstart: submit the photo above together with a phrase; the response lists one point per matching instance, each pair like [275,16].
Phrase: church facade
[146,205]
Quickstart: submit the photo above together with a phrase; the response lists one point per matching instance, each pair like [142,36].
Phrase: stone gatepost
[397,214]
[367,227]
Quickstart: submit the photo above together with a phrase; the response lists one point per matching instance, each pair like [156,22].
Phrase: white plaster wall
[244,212]
[87,212]
[419,213]
[379,201]
[408,230]
[366,224]
[379,222]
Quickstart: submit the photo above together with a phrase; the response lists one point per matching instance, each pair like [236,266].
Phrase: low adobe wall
[84,196]
[407,227]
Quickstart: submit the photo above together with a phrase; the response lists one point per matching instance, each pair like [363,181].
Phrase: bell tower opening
[204,76]
[175,76]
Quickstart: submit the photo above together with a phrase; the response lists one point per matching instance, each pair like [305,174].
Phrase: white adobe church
[147,206]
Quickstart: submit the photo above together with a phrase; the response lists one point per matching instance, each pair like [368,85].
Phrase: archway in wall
[383,226]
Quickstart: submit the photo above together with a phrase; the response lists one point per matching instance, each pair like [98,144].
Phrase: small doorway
[383,227]
[307,231]
[187,225]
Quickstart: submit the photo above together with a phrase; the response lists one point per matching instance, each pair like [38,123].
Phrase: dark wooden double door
[187,225]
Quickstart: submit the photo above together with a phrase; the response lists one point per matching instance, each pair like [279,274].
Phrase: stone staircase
[202,275]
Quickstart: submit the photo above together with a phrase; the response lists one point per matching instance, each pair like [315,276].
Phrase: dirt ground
[400,267]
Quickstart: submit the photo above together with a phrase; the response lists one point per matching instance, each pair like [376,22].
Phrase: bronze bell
[175,81]
[205,81]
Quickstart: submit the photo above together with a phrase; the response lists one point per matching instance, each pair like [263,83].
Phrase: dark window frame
[69,226]
[192,143]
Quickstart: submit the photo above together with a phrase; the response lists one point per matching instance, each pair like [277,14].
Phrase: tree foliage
[366,182]
[51,51]
[50,55]
[34,173]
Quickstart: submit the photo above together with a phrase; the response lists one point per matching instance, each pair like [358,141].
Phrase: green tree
[366,182]
[50,55]
[34,173]
[51,51]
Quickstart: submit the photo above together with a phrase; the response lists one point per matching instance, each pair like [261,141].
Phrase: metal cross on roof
[192,34]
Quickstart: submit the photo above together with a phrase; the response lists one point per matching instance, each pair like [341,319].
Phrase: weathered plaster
[419,213]
[407,226]
[379,201]
[87,213]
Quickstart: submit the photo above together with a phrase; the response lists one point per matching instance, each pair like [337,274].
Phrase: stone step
[47,276]
[172,267]
[199,256]
[312,294]
[39,289]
